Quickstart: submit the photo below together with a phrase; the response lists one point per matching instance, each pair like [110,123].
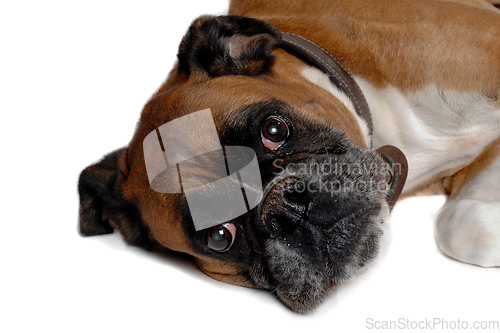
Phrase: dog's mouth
[304,266]
[321,229]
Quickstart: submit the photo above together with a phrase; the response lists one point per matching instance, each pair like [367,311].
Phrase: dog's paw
[468,227]
[469,230]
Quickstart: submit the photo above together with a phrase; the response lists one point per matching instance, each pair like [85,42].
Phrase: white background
[74,77]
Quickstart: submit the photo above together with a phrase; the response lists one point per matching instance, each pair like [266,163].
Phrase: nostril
[284,206]
[284,221]
[295,197]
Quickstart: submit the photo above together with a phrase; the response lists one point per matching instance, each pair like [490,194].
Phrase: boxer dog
[430,74]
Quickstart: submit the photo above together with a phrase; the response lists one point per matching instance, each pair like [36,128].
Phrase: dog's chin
[303,267]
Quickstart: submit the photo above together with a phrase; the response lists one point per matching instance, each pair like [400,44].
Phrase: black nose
[285,206]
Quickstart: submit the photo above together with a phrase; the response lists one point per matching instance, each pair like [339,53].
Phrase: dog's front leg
[468,227]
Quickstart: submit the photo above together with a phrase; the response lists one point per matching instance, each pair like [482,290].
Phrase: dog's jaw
[302,284]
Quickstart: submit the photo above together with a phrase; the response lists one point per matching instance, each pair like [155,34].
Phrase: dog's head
[325,194]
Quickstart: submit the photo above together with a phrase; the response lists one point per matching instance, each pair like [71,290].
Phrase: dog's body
[430,71]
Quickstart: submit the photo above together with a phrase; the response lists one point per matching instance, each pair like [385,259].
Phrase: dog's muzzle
[292,198]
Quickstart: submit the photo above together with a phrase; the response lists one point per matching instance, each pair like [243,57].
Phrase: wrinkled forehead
[227,96]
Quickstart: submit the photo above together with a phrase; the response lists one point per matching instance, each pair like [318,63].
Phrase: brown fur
[365,36]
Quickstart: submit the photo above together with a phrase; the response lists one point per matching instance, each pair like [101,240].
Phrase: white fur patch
[437,131]
[321,79]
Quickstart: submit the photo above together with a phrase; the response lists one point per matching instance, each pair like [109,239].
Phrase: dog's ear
[228,45]
[398,163]
[102,206]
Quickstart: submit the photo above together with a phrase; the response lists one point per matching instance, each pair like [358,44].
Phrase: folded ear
[399,171]
[228,45]
[102,206]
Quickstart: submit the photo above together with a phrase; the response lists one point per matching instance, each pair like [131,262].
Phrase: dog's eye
[274,132]
[220,238]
